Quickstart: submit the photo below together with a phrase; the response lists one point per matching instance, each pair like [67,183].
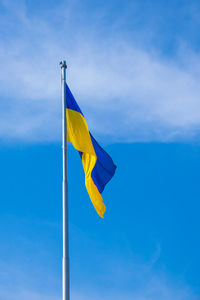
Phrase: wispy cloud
[30,271]
[122,279]
[141,95]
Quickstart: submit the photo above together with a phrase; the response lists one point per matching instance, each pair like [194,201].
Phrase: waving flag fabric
[98,165]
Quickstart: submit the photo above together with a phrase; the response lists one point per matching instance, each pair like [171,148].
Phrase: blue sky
[134,70]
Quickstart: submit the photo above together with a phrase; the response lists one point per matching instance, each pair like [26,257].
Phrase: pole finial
[63,64]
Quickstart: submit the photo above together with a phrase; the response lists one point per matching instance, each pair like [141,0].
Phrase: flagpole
[65,261]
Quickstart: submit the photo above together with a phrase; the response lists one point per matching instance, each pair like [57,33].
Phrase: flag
[97,164]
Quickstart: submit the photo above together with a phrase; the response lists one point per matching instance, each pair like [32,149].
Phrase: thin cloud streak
[141,95]
[144,284]
[122,274]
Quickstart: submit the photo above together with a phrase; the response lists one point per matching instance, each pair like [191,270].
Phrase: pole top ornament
[63,64]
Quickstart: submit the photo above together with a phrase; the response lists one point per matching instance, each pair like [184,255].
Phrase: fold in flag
[97,164]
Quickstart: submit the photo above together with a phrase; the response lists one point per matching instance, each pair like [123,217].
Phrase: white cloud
[141,95]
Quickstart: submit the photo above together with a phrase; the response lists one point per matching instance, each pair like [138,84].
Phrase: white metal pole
[65,262]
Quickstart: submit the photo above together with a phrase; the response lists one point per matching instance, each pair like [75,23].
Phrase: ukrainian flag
[97,164]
